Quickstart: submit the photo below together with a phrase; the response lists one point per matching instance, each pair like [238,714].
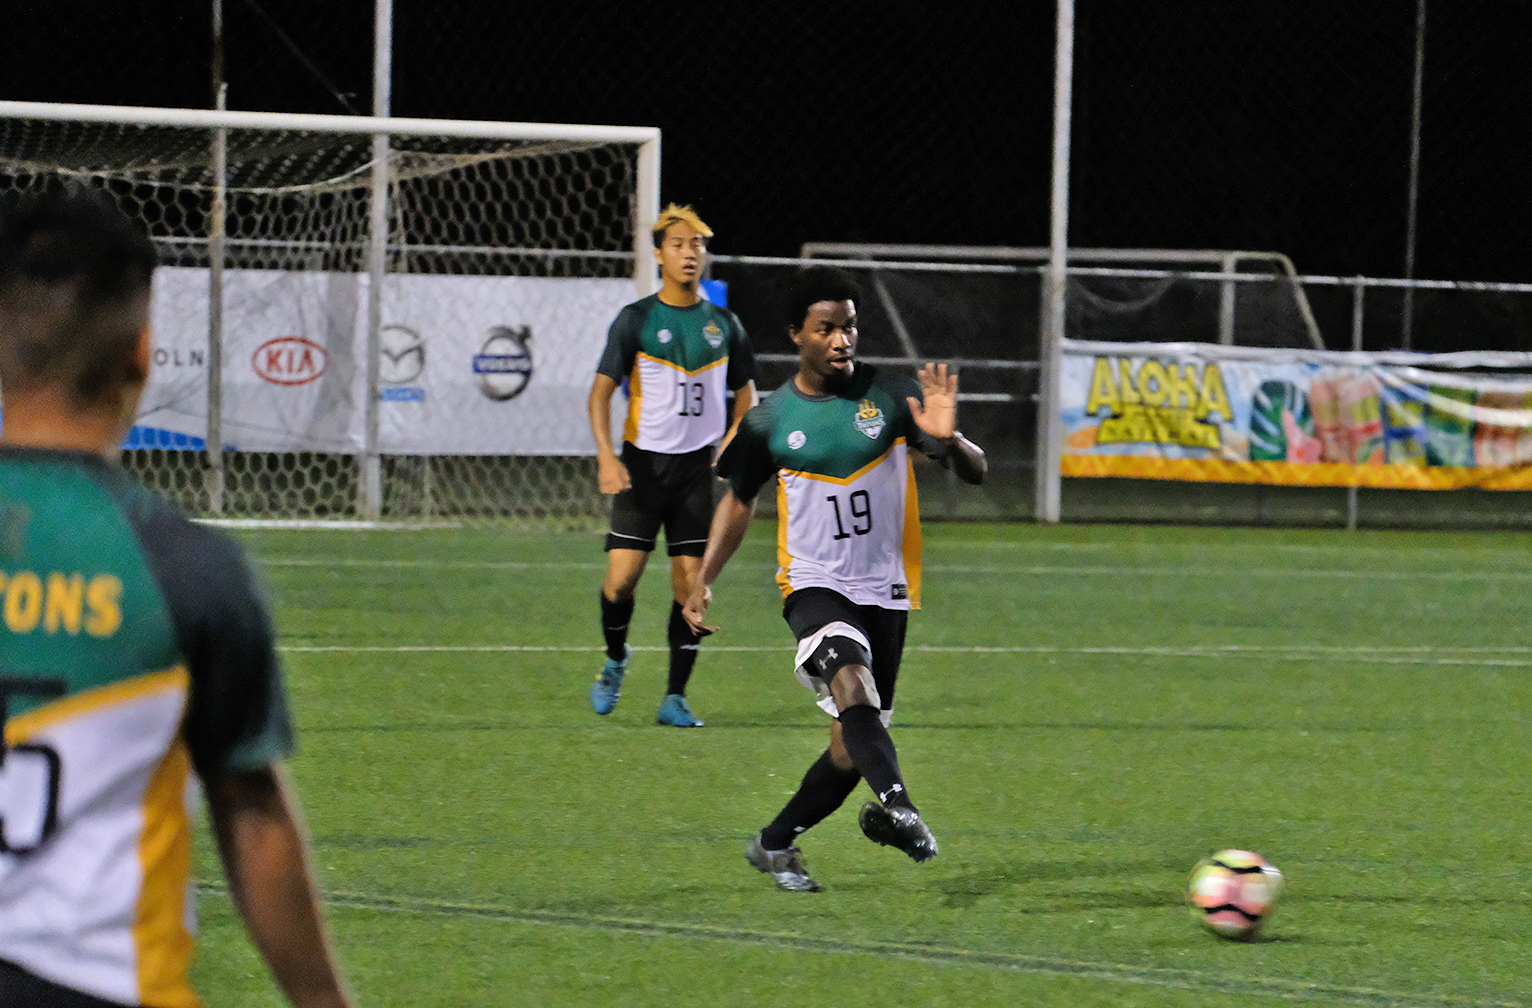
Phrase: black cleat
[898,827]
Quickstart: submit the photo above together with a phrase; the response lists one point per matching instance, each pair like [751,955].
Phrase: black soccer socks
[824,789]
[615,617]
[872,750]
[683,650]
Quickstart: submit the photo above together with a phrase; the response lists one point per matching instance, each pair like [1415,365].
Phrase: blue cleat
[607,689]
[677,713]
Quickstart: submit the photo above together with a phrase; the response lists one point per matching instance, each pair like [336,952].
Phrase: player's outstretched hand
[612,475]
[937,416]
[695,610]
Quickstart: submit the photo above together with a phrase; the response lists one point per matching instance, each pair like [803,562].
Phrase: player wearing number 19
[837,438]
[135,652]
[681,357]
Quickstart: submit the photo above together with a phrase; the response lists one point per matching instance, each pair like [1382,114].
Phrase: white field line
[1222,981]
[1103,570]
[1371,574]
[1469,656]
[1402,548]
[287,561]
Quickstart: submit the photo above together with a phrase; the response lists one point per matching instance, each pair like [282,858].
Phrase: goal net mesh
[504,262]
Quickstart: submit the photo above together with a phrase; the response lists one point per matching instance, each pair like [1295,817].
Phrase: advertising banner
[468,365]
[1212,413]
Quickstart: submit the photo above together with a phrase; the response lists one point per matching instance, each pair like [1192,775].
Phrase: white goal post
[338,342]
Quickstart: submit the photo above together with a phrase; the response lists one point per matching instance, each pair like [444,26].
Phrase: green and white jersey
[134,650]
[681,364]
[848,519]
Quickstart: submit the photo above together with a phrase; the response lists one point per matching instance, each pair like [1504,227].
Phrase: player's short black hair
[73,271]
[810,286]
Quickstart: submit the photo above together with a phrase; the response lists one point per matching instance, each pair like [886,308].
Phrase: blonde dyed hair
[673,214]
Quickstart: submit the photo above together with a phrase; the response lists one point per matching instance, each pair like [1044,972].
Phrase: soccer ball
[1232,892]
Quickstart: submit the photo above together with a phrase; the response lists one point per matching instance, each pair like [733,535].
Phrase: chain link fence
[1195,126]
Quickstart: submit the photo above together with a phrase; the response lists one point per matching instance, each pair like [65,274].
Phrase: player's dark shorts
[18,987]
[675,491]
[809,611]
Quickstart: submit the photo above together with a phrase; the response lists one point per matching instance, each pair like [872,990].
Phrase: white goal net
[331,342]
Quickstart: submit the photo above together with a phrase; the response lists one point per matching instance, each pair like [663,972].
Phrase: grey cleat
[898,827]
[786,866]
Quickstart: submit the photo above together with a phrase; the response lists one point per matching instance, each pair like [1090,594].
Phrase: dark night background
[1197,124]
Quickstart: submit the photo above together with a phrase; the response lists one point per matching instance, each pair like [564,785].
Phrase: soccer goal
[363,319]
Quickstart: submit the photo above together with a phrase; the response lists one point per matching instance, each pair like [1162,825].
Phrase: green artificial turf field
[1083,713]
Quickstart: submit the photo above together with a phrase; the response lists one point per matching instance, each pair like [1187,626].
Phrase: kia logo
[289,360]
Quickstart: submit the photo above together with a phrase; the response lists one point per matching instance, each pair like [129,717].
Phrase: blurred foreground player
[682,357]
[838,438]
[134,652]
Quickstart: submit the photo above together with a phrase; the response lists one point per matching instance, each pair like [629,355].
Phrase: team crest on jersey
[797,439]
[713,334]
[869,419]
[663,336]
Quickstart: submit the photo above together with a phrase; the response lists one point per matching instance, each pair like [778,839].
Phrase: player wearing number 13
[838,437]
[681,356]
[135,652]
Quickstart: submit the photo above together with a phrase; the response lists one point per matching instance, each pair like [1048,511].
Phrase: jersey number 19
[860,506]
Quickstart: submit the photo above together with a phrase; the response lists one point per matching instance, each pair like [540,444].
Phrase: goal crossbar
[314,123]
[467,225]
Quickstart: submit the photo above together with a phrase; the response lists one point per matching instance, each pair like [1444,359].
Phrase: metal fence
[984,315]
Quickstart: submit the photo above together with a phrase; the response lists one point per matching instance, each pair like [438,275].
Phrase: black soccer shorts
[675,491]
[18,987]
[808,610]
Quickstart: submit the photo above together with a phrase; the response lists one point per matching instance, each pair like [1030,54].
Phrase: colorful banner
[1211,413]
[468,365]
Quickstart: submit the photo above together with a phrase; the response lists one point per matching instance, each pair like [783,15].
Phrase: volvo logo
[504,364]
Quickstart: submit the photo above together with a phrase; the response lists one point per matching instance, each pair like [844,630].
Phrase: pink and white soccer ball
[1232,892]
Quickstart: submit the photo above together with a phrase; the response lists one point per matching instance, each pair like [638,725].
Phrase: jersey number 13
[691,398]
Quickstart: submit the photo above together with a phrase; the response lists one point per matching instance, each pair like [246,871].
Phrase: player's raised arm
[937,416]
[731,520]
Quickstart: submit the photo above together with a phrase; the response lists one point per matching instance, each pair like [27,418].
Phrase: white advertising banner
[468,365]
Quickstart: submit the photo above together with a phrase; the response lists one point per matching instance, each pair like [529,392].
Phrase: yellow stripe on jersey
[911,547]
[23,726]
[160,935]
[847,480]
[635,405]
[636,389]
[676,367]
[784,558]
